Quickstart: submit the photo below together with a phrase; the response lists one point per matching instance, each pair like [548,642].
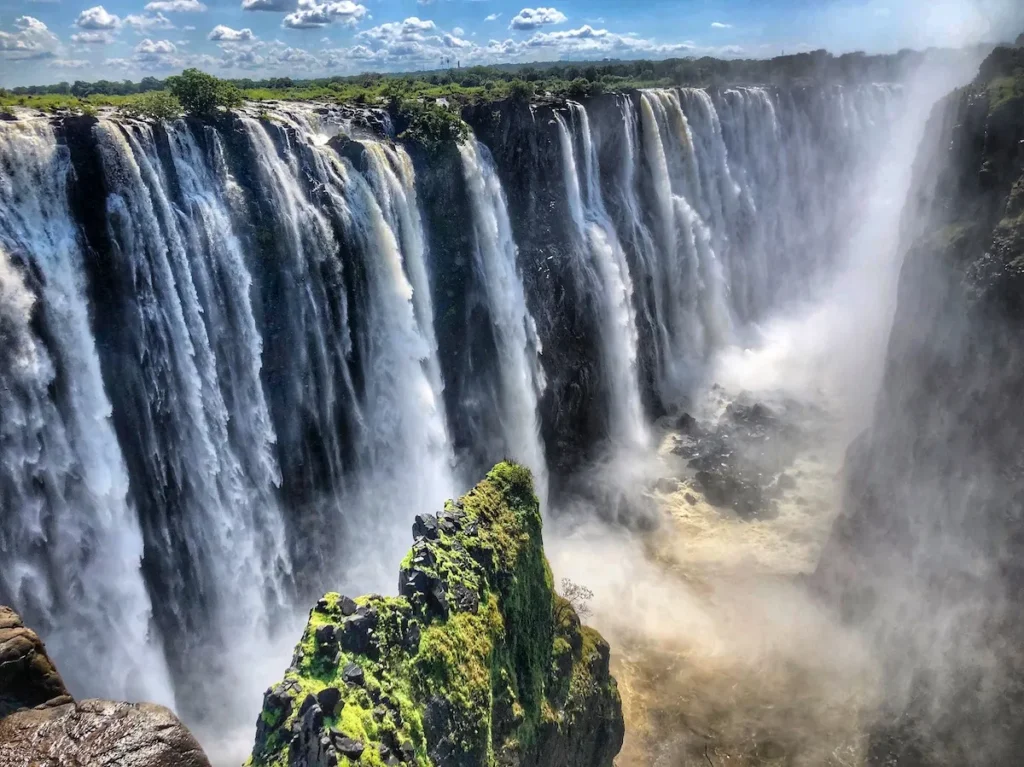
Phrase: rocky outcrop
[41,725]
[929,552]
[28,678]
[739,460]
[477,662]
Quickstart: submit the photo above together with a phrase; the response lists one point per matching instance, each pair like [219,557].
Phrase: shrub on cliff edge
[201,94]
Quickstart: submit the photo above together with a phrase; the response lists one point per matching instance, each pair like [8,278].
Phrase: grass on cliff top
[1004,89]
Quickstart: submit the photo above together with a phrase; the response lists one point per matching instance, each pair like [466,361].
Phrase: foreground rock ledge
[478,662]
[42,726]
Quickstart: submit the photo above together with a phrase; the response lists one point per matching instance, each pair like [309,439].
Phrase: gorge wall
[927,555]
[247,352]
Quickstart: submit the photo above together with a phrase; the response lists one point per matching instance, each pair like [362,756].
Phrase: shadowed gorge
[749,350]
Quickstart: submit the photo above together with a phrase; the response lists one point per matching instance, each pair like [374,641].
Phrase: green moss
[1005,89]
[490,671]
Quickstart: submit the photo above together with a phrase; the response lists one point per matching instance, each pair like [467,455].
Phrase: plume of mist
[714,647]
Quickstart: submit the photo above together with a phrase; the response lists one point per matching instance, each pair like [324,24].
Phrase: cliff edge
[928,554]
[41,724]
[477,662]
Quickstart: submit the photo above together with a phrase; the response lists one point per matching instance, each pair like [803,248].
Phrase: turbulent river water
[238,357]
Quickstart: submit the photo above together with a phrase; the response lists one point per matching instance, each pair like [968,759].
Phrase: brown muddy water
[722,654]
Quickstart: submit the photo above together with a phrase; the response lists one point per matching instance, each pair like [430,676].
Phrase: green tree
[202,94]
[520,90]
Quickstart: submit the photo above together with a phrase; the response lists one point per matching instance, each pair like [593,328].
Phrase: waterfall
[196,357]
[401,458]
[514,327]
[71,540]
[696,313]
[603,264]
[409,456]
[222,392]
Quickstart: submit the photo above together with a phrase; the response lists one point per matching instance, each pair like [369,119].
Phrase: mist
[731,649]
[757,344]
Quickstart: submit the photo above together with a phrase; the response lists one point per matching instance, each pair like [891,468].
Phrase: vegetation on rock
[202,94]
[433,124]
[477,662]
[157,105]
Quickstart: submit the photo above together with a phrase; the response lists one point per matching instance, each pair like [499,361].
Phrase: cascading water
[603,264]
[514,326]
[71,541]
[222,392]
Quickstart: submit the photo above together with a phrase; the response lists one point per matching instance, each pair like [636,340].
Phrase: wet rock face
[931,534]
[477,662]
[739,460]
[40,723]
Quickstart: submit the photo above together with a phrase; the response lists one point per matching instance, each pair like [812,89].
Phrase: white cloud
[144,23]
[176,6]
[278,6]
[97,18]
[69,63]
[92,38]
[229,35]
[534,18]
[459,32]
[413,29]
[155,47]
[153,56]
[424,2]
[492,17]
[311,15]
[31,39]
[720,25]
[189,28]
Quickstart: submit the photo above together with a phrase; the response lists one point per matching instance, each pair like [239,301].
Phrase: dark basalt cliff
[929,552]
[40,723]
[478,662]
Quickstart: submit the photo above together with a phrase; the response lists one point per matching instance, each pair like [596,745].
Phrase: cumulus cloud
[176,6]
[92,38]
[492,17]
[720,25]
[97,18]
[277,6]
[229,35]
[69,63]
[31,39]
[311,15]
[142,23]
[155,47]
[413,29]
[534,18]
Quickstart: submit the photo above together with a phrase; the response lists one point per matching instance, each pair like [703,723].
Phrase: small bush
[201,94]
[520,90]
[431,125]
[155,105]
[578,596]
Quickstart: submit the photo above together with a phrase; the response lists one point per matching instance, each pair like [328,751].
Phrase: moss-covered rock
[477,662]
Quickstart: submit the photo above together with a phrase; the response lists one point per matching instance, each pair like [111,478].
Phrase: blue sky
[44,41]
